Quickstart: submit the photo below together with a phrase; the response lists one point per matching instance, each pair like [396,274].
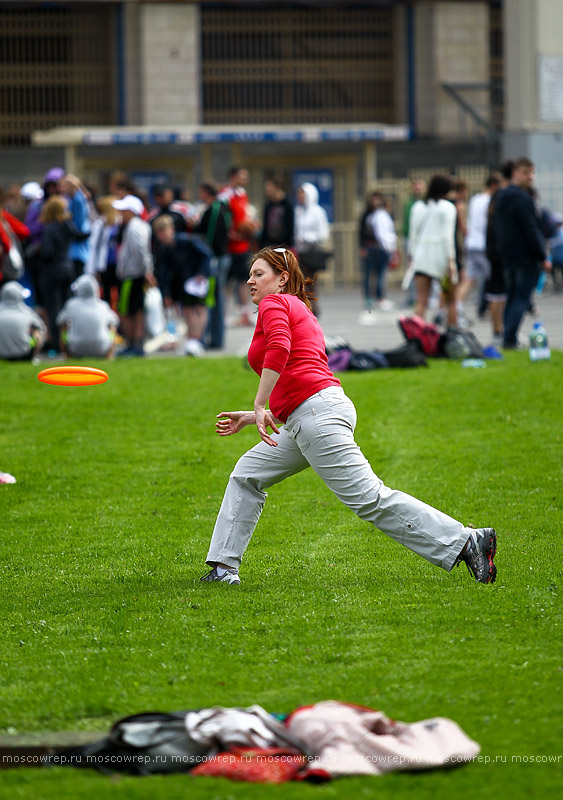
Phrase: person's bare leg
[39,341]
[196,321]
[134,329]
[450,298]
[244,303]
[497,314]
[110,354]
[139,325]
[422,285]
[465,288]
[127,328]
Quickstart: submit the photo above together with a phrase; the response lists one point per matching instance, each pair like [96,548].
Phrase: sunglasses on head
[284,251]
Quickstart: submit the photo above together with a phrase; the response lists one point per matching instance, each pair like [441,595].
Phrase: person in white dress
[432,246]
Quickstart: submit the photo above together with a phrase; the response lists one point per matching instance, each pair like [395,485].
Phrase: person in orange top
[288,353]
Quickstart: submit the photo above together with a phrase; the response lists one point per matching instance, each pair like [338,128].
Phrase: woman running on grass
[288,352]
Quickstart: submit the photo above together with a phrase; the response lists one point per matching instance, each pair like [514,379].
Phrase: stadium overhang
[199,141]
[204,134]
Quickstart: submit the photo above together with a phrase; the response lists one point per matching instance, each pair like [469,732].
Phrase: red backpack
[427,334]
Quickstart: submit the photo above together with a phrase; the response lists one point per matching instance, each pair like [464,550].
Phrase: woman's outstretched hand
[229,422]
[264,420]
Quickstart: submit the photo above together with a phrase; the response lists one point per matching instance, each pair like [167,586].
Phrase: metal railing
[288,64]
[55,69]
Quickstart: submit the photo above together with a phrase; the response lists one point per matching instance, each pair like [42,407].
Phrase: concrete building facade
[534,81]
[470,80]
[423,64]
[348,94]
[162,63]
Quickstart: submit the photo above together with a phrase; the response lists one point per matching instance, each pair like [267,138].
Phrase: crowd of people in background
[77,266]
[191,252]
[499,246]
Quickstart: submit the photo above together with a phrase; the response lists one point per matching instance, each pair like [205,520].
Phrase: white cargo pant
[320,434]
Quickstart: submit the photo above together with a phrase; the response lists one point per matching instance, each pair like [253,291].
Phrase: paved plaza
[342,309]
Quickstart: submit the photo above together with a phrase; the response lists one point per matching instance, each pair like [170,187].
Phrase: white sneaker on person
[229,576]
[386,305]
[194,348]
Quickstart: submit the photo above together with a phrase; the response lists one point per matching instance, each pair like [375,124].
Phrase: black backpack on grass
[410,354]
[460,344]
[142,744]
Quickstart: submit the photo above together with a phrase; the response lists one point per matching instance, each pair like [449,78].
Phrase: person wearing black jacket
[495,291]
[521,246]
[56,268]
[277,221]
[183,266]
[215,221]
[165,204]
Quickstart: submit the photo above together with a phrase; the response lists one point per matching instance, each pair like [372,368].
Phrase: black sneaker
[479,559]
[229,576]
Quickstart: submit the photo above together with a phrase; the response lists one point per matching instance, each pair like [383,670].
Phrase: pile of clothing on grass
[423,340]
[341,356]
[314,743]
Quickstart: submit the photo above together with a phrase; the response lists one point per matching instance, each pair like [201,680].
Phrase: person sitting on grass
[87,324]
[22,331]
[288,353]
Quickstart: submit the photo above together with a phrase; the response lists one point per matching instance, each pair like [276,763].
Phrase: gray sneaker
[230,576]
[479,559]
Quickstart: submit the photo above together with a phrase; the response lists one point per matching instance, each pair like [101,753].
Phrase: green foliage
[103,540]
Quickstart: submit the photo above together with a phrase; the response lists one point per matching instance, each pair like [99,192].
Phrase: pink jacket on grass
[352,740]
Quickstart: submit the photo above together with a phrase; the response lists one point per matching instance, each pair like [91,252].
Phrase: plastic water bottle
[170,326]
[539,349]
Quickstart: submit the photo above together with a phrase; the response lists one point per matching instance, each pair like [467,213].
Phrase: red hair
[282,259]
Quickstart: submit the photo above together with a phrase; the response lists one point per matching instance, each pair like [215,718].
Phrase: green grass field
[103,541]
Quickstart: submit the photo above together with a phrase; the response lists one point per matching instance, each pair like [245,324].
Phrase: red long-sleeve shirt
[289,340]
[237,200]
[20,230]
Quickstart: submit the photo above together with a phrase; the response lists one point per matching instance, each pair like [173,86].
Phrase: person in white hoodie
[87,324]
[311,233]
[22,331]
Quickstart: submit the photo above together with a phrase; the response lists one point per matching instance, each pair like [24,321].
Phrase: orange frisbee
[73,376]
